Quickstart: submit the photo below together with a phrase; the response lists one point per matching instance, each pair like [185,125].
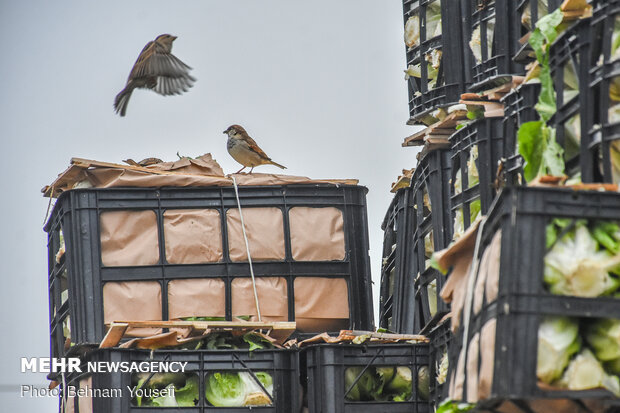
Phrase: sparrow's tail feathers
[277,164]
[122,100]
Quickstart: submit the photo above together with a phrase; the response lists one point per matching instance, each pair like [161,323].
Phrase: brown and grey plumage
[158,69]
[245,150]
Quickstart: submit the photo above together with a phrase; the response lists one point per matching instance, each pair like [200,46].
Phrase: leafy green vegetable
[189,394]
[395,383]
[442,368]
[539,149]
[449,406]
[168,400]
[586,372]
[576,266]
[382,383]
[558,340]
[424,383]
[364,388]
[540,40]
[225,389]
[604,338]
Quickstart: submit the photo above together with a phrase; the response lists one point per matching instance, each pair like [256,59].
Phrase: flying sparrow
[158,69]
[244,149]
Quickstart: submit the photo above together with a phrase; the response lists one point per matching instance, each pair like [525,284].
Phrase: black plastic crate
[518,108]
[328,363]
[432,232]
[439,355]
[493,31]
[476,150]
[397,229]
[568,59]
[602,120]
[522,214]
[440,82]
[520,298]
[526,13]
[77,213]
[281,365]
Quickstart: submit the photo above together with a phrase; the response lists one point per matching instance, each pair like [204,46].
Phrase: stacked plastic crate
[537,109]
[151,255]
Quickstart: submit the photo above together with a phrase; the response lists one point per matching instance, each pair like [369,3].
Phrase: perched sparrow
[244,150]
[158,69]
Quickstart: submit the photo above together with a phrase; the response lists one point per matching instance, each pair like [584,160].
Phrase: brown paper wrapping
[510,407]
[117,177]
[458,256]
[272,297]
[201,227]
[487,359]
[321,304]
[85,404]
[317,234]
[201,297]
[265,230]
[472,368]
[492,285]
[481,279]
[456,389]
[68,406]
[204,165]
[133,300]
[129,238]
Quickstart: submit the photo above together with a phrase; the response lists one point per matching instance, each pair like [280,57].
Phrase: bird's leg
[251,169]
[239,171]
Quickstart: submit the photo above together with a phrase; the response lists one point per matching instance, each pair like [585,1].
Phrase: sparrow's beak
[174,38]
[224,132]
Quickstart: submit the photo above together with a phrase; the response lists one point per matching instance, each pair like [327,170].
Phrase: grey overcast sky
[318,84]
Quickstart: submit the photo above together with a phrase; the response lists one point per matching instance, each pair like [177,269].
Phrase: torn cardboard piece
[186,172]
[403,181]
[439,130]
[458,257]
[361,337]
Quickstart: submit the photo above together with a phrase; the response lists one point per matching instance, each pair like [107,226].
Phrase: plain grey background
[319,85]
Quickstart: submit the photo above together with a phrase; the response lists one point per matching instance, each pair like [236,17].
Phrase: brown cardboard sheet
[202,165]
[487,358]
[321,304]
[201,227]
[491,288]
[68,406]
[199,297]
[481,280]
[458,256]
[472,368]
[133,300]
[272,298]
[317,234]
[265,231]
[456,387]
[186,172]
[129,238]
